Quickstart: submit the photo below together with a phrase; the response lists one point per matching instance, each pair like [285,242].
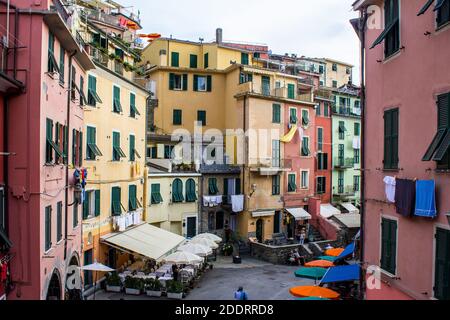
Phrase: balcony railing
[344,191]
[346,111]
[118,67]
[100,17]
[322,93]
[344,163]
[283,93]
[270,163]
[99,56]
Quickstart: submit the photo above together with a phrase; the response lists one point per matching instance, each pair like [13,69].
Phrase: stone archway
[54,287]
[73,280]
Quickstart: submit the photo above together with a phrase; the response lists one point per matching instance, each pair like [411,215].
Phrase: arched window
[177,191]
[191,194]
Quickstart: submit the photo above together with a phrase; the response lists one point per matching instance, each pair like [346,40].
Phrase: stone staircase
[316,234]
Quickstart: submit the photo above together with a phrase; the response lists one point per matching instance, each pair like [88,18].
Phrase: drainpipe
[362,31]
[66,195]
[5,160]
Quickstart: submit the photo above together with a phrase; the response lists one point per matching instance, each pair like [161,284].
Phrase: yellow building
[223,88]
[338,73]
[114,138]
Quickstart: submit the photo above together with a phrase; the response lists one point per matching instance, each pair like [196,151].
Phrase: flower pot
[133,292]
[177,296]
[113,288]
[154,293]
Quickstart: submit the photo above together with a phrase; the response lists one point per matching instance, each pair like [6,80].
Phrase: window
[212,187]
[342,130]
[348,70]
[276,188]
[256,55]
[178,82]
[133,151]
[292,184]
[220,220]
[322,161]
[177,117]
[73,84]
[391,139]
[117,106]
[356,156]
[177,191]
[391,33]
[305,118]
[356,183]
[244,58]
[291,91]
[93,97]
[191,194]
[334,84]
[206,61]
[48,228]
[357,129]
[319,139]
[304,179]
[341,154]
[116,204]
[439,149]
[277,222]
[276,113]
[193,61]
[293,116]
[341,182]
[92,150]
[202,83]
[83,99]
[318,109]
[442,265]
[265,85]
[276,154]
[75,215]
[201,117]
[321,185]
[326,109]
[133,109]
[389,245]
[62,57]
[168,150]
[117,151]
[52,65]
[132,198]
[305,147]
[175,59]
[51,146]
[321,69]
[59,234]
[334,67]
[91,205]
[156,194]
[245,77]
[443,13]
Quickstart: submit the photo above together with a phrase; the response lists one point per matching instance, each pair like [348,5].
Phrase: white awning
[299,214]
[350,208]
[145,240]
[350,221]
[327,211]
[256,214]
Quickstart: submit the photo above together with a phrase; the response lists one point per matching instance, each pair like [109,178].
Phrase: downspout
[66,196]
[362,31]
[5,160]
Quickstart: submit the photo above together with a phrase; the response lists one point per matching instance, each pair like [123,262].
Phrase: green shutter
[97,203]
[237,188]
[244,58]
[132,198]
[391,139]
[292,185]
[49,137]
[74,147]
[206,61]
[185,82]
[276,113]
[133,110]
[212,186]
[80,151]
[116,206]
[201,116]
[388,245]
[62,56]
[117,106]
[48,228]
[276,185]
[209,83]
[191,194]
[193,61]
[305,118]
[59,222]
[291,91]
[156,194]
[177,191]
[171,81]
[86,206]
[132,147]
[175,59]
[177,117]
[196,82]
[320,138]
[357,129]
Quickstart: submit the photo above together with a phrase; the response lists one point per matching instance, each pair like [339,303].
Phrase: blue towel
[426,199]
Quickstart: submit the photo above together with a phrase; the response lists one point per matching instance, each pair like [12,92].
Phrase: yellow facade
[341,75]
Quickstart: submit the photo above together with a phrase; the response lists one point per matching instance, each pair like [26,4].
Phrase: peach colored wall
[410,81]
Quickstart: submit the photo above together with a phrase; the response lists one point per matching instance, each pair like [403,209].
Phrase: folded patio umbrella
[180,257]
[198,249]
[335,252]
[205,242]
[208,236]
[314,291]
[311,273]
[319,264]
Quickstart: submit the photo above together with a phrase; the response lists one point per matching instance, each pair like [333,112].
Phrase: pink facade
[410,80]
[35,183]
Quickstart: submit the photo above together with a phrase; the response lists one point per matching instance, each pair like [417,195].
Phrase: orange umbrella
[336,252]
[314,291]
[319,264]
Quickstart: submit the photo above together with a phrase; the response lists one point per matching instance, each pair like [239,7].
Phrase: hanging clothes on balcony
[357,143]
[237,203]
[288,137]
[405,197]
[389,185]
[426,199]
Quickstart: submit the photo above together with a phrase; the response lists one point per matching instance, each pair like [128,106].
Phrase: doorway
[260,230]
[54,287]
[191,227]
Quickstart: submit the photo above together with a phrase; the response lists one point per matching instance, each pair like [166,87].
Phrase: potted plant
[113,283]
[174,290]
[153,287]
[133,286]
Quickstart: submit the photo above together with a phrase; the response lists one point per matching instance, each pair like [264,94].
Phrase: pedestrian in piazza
[240,294]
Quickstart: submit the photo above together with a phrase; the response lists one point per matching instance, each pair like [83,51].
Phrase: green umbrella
[311,273]
[312,298]
[327,258]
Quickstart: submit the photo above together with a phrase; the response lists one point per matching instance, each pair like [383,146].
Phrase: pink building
[406,136]
[44,133]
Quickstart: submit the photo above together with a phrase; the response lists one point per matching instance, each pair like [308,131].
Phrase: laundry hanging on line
[405,197]
[426,199]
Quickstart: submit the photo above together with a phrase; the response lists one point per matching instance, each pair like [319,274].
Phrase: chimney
[219,35]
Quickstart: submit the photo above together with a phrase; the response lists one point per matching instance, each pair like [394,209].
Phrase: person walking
[302,237]
[240,294]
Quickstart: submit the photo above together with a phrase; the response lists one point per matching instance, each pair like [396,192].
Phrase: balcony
[346,111]
[269,166]
[118,67]
[344,163]
[323,94]
[99,56]
[9,75]
[280,93]
[98,16]
[344,191]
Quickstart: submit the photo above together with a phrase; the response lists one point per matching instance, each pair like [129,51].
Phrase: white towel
[357,143]
[390,184]
[237,203]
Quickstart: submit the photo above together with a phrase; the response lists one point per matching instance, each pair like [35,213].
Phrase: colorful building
[338,73]
[406,127]
[44,138]
[114,130]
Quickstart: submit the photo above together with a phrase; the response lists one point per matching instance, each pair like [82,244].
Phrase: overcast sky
[314,28]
